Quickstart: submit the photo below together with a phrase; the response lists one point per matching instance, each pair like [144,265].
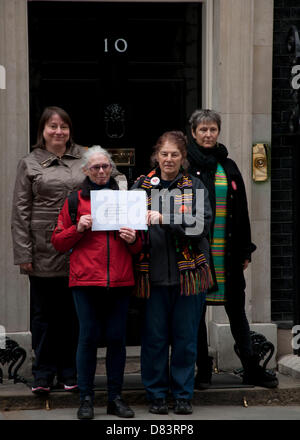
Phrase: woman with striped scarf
[172,275]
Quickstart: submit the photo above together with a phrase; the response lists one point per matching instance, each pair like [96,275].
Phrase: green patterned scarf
[195,274]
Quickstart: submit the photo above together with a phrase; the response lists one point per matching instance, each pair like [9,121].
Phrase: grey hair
[96,149]
[204,115]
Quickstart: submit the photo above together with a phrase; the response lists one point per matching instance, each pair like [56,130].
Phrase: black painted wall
[284,174]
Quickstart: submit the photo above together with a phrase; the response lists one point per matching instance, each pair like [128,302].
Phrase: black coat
[238,232]
[163,261]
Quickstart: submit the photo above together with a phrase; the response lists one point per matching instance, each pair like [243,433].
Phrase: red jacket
[98,258]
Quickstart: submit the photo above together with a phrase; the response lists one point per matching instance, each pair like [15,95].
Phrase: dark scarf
[88,185]
[195,275]
[206,161]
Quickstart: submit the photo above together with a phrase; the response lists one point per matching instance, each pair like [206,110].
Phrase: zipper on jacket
[107,242]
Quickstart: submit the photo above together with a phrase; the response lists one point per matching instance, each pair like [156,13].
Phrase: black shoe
[40,386]
[201,383]
[260,377]
[159,406]
[119,408]
[86,409]
[183,406]
[204,374]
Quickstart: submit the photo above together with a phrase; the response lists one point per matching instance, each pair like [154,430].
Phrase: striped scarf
[195,274]
[218,243]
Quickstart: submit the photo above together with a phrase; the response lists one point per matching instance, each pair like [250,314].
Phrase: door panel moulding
[207,53]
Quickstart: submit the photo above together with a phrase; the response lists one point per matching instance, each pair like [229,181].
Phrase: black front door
[125,72]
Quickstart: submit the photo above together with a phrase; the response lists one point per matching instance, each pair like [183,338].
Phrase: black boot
[204,374]
[255,374]
[86,409]
[119,408]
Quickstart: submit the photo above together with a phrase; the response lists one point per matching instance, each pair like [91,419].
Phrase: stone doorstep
[290,365]
[19,396]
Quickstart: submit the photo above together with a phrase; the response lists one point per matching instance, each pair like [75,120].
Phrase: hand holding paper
[85,222]
[128,235]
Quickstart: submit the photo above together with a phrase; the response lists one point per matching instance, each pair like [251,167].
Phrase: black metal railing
[14,357]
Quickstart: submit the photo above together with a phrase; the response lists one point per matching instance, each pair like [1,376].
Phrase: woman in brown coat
[44,179]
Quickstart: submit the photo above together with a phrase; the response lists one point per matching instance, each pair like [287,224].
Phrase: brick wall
[283,249]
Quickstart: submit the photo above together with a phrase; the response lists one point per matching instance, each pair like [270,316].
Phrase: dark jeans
[102,313]
[239,327]
[54,328]
[170,319]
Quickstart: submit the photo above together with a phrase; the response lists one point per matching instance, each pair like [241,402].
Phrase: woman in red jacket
[101,276]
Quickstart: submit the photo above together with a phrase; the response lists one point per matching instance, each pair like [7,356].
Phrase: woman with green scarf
[231,246]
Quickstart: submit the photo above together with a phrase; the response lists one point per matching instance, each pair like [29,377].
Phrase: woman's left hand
[154,218]
[128,235]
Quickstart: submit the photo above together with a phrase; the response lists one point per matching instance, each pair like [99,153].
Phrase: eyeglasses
[96,168]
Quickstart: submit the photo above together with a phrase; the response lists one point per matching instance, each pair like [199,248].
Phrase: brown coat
[42,184]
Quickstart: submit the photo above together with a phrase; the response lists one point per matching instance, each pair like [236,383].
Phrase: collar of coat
[46,158]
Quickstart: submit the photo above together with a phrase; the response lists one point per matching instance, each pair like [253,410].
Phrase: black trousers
[54,328]
[240,330]
[102,315]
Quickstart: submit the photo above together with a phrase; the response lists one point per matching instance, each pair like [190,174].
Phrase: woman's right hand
[140,177]
[27,267]
[85,222]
